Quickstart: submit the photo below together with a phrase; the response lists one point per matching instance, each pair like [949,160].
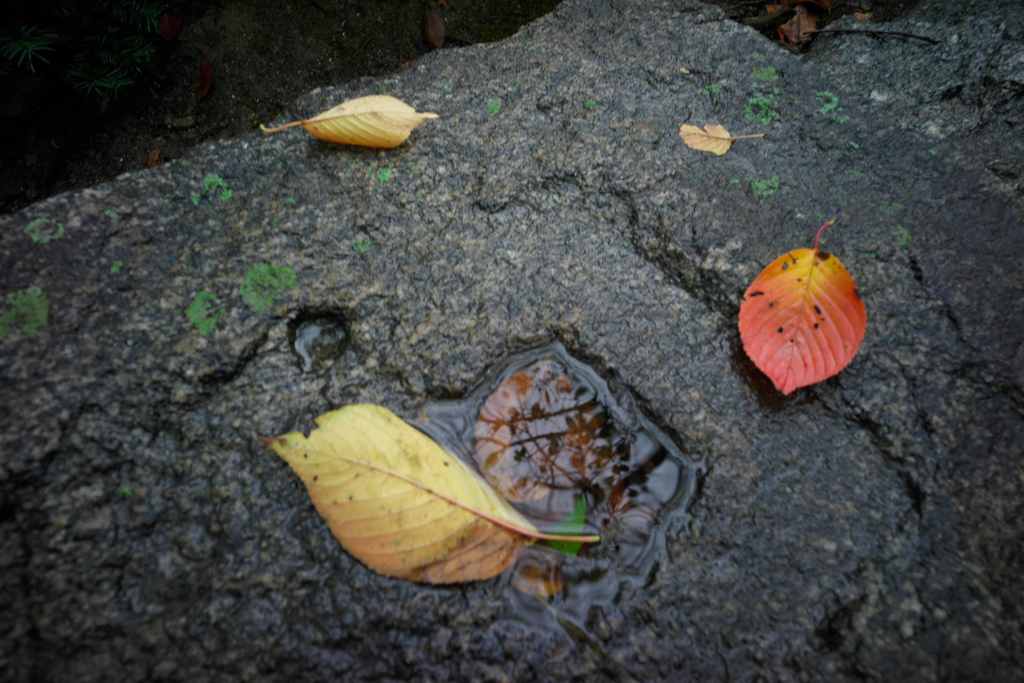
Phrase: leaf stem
[278,129]
[824,226]
[745,137]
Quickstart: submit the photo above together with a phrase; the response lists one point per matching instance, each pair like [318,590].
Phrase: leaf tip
[275,442]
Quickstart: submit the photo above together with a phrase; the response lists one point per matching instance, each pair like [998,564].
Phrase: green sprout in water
[43,230]
[27,311]
[761,109]
[766,73]
[493,106]
[264,283]
[26,48]
[125,491]
[763,189]
[116,267]
[713,89]
[362,245]
[591,104]
[573,524]
[384,174]
[204,313]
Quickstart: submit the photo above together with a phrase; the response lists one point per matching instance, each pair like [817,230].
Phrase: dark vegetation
[97,88]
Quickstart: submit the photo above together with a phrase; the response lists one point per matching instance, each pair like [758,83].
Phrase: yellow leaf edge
[320,118]
[532,533]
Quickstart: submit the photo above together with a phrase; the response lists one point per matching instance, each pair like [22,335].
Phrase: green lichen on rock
[903,237]
[204,313]
[264,283]
[213,186]
[44,230]
[27,312]
[766,73]
[761,108]
[763,189]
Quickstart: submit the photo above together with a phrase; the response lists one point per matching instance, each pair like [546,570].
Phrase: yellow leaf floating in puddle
[379,121]
[713,138]
[402,504]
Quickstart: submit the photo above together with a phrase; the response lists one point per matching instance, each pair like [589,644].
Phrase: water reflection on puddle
[574,456]
[317,341]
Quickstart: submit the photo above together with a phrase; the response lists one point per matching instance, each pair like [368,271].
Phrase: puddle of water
[317,341]
[550,434]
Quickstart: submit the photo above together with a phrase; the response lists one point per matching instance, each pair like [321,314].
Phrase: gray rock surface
[869,528]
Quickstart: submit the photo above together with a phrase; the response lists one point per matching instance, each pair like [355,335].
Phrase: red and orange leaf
[802,319]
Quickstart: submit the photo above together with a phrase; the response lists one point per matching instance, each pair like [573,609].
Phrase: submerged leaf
[573,524]
[802,319]
[714,138]
[379,121]
[539,434]
[403,505]
[539,575]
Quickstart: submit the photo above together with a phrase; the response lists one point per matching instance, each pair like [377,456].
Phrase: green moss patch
[204,312]
[44,230]
[264,283]
[27,312]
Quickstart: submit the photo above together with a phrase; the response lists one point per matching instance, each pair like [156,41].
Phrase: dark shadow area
[96,89]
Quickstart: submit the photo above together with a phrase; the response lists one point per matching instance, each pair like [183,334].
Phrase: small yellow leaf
[714,138]
[379,121]
[402,504]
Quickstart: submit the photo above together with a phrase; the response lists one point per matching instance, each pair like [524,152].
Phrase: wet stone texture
[868,528]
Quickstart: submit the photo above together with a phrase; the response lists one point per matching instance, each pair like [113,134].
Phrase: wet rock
[867,527]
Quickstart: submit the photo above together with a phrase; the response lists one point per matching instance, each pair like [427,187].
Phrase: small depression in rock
[575,456]
[317,340]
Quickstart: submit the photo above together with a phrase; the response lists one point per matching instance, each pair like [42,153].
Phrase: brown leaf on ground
[713,138]
[152,158]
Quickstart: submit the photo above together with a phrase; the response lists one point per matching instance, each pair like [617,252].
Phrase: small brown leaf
[152,158]
[205,82]
[798,30]
[433,29]
[714,138]
[379,121]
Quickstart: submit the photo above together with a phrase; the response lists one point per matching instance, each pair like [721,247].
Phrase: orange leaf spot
[802,319]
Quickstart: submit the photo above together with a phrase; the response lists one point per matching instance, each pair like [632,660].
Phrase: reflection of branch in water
[542,437]
[528,418]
